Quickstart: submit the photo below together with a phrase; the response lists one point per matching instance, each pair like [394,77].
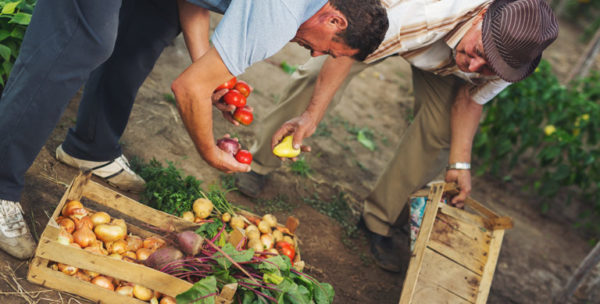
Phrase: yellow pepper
[285,149]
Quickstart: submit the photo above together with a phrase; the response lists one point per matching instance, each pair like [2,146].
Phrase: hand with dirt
[226,109]
[300,127]
[462,178]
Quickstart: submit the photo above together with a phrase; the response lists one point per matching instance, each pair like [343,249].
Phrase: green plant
[14,18]
[301,167]
[550,127]
[166,189]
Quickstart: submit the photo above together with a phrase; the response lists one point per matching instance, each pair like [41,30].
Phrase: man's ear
[337,20]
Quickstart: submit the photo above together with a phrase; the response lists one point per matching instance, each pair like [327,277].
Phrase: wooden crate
[455,253]
[49,249]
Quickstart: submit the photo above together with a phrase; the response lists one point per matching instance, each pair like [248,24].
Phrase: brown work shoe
[390,252]
[15,238]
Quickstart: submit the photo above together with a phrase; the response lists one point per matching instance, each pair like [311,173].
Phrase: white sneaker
[116,172]
[15,238]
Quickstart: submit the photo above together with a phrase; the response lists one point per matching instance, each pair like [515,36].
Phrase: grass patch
[339,210]
[279,203]
[301,167]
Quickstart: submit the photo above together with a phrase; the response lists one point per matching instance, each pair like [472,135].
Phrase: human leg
[63,43]
[145,29]
[421,154]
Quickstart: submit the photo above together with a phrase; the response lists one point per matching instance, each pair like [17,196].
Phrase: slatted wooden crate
[455,253]
[50,250]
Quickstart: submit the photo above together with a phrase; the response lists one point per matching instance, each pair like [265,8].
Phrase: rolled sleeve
[483,93]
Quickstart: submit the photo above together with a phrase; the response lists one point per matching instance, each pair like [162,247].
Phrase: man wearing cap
[462,54]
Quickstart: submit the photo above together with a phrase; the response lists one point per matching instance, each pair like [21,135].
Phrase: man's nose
[476,64]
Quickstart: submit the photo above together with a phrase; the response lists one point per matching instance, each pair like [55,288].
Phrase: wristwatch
[459,166]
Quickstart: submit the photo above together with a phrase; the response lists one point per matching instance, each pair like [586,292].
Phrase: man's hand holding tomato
[300,127]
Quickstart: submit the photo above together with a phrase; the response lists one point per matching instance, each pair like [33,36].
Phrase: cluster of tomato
[237,94]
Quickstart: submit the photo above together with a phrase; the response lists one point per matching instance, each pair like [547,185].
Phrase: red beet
[190,242]
[162,257]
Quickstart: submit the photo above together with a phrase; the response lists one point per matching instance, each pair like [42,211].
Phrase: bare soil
[538,254]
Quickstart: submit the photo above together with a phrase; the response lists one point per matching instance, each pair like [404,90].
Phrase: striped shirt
[425,33]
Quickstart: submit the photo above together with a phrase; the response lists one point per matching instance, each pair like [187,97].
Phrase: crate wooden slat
[50,250]
[455,253]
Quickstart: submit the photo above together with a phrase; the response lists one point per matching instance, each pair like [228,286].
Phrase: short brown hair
[367,25]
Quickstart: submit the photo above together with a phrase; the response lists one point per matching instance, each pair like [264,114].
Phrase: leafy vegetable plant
[14,18]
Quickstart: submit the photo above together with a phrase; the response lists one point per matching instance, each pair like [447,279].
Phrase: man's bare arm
[464,121]
[195,22]
[193,90]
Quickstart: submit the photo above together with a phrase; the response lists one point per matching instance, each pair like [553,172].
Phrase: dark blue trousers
[111,46]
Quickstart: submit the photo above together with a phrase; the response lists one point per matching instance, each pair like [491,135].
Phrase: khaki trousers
[421,154]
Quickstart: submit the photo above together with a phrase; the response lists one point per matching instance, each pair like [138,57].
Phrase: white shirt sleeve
[481,94]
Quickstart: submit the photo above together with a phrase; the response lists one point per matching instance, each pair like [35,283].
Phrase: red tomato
[243,88]
[233,97]
[244,157]
[227,85]
[286,249]
[243,115]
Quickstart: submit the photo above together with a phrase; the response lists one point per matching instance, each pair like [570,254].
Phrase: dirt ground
[537,256]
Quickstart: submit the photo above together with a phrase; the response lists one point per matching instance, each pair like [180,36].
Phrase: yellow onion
[121,223]
[84,237]
[100,217]
[96,249]
[143,253]
[90,273]
[83,222]
[110,232]
[64,237]
[74,209]
[67,224]
[67,269]
[125,290]
[115,256]
[118,246]
[129,256]
[104,282]
[226,217]
[134,242]
[153,242]
[82,276]
[142,293]
[167,300]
